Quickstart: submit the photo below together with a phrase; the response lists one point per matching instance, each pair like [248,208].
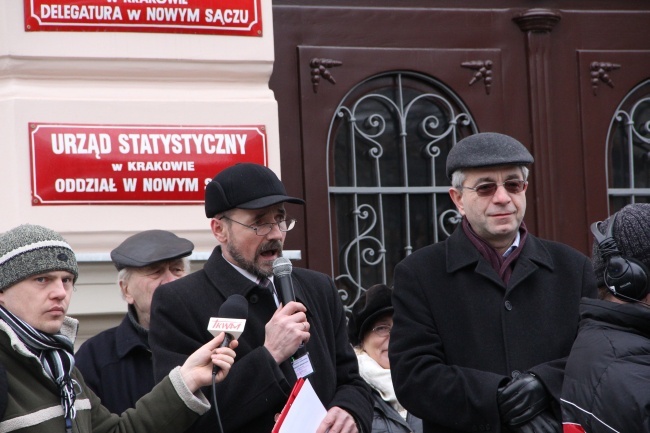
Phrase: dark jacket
[387,420]
[607,377]
[459,332]
[117,365]
[257,387]
[34,401]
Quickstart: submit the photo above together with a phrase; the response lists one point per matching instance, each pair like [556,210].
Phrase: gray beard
[248,266]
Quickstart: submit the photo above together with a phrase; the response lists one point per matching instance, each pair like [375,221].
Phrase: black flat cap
[150,246]
[245,186]
[487,149]
[372,303]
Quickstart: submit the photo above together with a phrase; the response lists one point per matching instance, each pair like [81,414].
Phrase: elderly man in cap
[245,204]
[607,377]
[117,363]
[45,392]
[484,320]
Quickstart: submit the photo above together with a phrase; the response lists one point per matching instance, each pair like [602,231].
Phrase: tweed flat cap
[29,250]
[245,186]
[487,149]
[150,246]
[631,233]
[372,303]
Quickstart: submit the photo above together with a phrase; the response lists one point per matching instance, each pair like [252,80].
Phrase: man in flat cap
[484,320]
[117,363]
[246,207]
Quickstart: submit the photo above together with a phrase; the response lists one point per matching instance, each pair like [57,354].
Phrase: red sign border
[33,24]
[33,127]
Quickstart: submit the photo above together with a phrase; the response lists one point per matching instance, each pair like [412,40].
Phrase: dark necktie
[267,284]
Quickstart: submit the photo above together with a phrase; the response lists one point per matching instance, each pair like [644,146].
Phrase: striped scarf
[55,352]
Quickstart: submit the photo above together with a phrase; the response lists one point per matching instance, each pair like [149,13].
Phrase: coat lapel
[533,256]
[462,253]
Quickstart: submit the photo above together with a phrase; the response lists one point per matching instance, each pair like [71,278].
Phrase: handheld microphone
[232,320]
[282,268]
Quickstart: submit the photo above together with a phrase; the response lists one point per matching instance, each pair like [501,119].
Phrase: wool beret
[631,232]
[245,186]
[150,246]
[487,149]
[372,303]
[29,250]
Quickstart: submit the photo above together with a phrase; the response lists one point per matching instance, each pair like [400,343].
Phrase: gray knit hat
[487,149]
[31,250]
[632,236]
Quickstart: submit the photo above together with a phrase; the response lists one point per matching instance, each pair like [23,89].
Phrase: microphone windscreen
[235,307]
[282,266]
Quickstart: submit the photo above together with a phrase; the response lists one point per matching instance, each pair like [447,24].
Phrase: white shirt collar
[514,245]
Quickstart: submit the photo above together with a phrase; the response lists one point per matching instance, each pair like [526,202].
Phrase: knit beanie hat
[31,250]
[631,232]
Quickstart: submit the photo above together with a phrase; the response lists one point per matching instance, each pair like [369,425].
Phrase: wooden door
[510,67]
[357,227]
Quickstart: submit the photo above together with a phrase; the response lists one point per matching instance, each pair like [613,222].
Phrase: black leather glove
[521,399]
[545,422]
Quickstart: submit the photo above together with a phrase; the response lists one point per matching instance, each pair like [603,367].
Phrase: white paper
[306,412]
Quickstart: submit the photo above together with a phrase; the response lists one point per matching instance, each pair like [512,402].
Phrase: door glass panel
[628,164]
[388,192]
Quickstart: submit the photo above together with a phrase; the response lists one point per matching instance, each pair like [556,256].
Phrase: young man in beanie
[607,376]
[45,392]
[117,363]
[245,204]
[485,319]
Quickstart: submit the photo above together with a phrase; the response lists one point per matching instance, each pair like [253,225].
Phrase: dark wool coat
[117,365]
[607,377]
[257,387]
[459,332]
[387,420]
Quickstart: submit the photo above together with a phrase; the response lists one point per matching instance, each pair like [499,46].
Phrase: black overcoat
[459,332]
[257,387]
[116,364]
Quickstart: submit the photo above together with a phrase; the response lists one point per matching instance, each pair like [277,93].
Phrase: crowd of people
[492,329]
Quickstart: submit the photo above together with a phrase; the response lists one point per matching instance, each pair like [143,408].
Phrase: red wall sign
[131,164]
[223,17]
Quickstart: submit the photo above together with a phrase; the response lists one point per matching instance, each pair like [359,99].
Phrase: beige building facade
[106,79]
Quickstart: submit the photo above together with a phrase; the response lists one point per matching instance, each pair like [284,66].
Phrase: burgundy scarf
[503,266]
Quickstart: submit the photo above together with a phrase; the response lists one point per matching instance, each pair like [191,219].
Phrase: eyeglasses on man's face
[382,330]
[264,229]
[488,189]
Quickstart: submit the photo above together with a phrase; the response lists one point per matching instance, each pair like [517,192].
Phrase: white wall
[117,78]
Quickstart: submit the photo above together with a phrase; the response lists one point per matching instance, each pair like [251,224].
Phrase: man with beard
[245,204]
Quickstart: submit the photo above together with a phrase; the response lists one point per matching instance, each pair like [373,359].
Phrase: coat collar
[129,338]
[226,279]
[462,253]
[631,317]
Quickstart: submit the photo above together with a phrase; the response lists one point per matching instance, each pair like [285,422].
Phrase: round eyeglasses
[382,330]
[265,229]
[488,189]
